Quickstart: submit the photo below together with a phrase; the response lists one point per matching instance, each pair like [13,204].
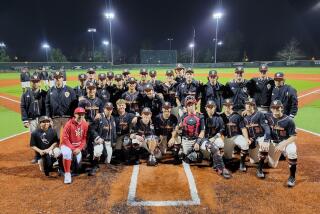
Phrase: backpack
[191,125]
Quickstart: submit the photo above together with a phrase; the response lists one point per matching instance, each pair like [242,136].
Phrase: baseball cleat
[291,181]
[260,174]
[152,161]
[93,171]
[225,173]
[242,167]
[67,178]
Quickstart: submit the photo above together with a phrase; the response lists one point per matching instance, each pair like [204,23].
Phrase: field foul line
[16,101]
[312,92]
[310,132]
[195,200]
[12,136]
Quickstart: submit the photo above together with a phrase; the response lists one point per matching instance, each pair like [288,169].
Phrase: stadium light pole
[46,47]
[170,40]
[216,16]
[92,30]
[191,46]
[106,43]
[110,16]
[2,45]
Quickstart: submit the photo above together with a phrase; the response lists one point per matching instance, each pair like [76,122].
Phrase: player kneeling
[283,136]
[103,133]
[259,135]
[74,141]
[143,137]
[44,141]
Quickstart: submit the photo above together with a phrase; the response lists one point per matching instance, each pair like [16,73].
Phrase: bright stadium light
[110,16]
[191,45]
[170,40]
[104,42]
[217,15]
[46,47]
[92,30]
[2,45]
[220,43]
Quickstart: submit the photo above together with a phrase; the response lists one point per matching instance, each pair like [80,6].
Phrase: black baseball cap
[152,73]
[166,105]
[279,76]
[189,70]
[239,70]
[125,72]
[169,73]
[91,71]
[91,85]
[148,87]
[228,102]
[110,75]
[263,68]
[118,77]
[143,71]
[132,80]
[57,74]
[44,118]
[276,103]
[82,76]
[108,105]
[102,76]
[146,110]
[179,67]
[211,103]
[250,101]
[213,73]
[35,77]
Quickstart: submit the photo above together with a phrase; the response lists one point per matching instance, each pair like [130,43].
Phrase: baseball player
[213,144]
[154,82]
[143,80]
[110,77]
[33,105]
[283,138]
[126,75]
[286,94]
[103,133]
[44,77]
[192,129]
[235,134]
[73,142]
[151,100]
[188,87]
[143,136]
[180,72]
[44,141]
[25,79]
[92,104]
[131,96]
[81,90]
[91,73]
[118,89]
[51,78]
[164,125]
[64,72]
[259,135]
[124,121]
[103,87]
[237,90]
[260,89]
[60,102]
[213,90]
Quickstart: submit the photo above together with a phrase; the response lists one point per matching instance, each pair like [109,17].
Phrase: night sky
[266,25]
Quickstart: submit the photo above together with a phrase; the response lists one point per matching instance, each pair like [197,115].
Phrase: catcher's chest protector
[191,125]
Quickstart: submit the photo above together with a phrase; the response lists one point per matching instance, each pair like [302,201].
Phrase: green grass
[309,116]
[11,123]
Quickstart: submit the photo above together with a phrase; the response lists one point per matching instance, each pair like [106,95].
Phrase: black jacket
[288,96]
[33,104]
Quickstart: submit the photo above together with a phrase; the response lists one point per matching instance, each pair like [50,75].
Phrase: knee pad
[97,150]
[292,162]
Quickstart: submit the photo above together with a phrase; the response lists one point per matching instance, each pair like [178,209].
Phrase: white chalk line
[12,136]
[195,200]
[310,132]
[7,98]
[307,94]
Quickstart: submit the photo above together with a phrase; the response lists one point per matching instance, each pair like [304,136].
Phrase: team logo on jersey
[268,86]
[44,139]
[67,94]
[78,132]
[245,89]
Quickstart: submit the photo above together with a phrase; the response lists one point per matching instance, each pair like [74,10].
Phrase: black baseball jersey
[233,124]
[212,92]
[60,101]
[154,103]
[213,125]
[156,85]
[104,127]
[116,93]
[238,92]
[123,123]
[33,104]
[257,126]
[281,128]
[80,91]
[141,85]
[179,79]
[165,126]
[185,89]
[44,75]
[92,107]
[261,90]
[143,129]
[25,76]
[103,94]
[131,101]
[43,139]
[288,96]
[169,92]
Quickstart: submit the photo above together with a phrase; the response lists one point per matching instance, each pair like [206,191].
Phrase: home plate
[164,185]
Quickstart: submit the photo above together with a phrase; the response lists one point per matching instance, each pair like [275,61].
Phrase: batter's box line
[195,200]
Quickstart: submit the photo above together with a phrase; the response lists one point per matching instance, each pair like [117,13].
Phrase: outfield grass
[11,123]
[309,116]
